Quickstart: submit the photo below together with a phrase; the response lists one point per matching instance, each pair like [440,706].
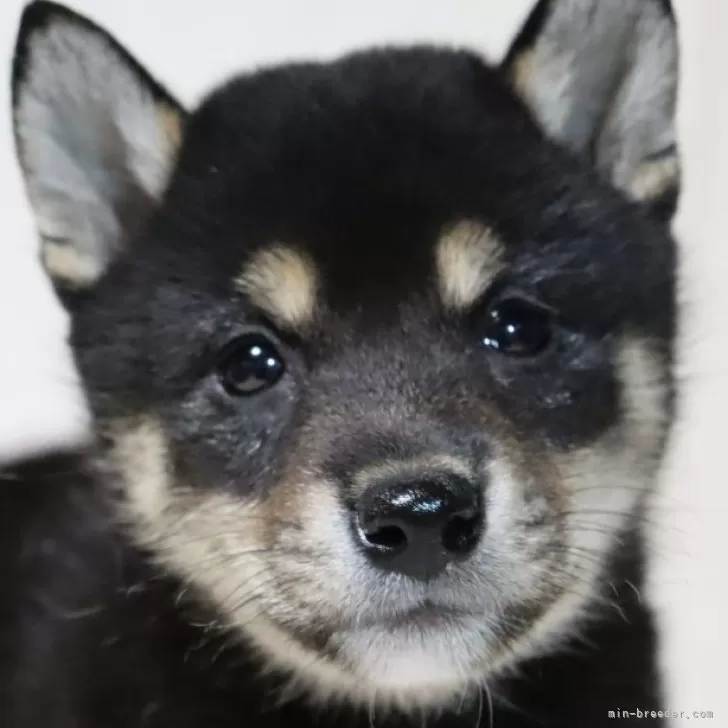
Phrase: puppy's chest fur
[93,634]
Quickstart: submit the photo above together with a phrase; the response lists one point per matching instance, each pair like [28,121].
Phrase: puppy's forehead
[370,182]
[376,151]
[293,287]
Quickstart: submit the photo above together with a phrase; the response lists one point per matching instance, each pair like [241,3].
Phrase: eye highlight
[515,327]
[250,364]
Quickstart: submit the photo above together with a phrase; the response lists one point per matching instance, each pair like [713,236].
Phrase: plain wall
[190,45]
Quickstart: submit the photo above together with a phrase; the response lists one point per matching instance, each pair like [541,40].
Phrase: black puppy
[379,356]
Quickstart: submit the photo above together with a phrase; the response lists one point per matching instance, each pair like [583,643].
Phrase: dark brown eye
[250,364]
[516,327]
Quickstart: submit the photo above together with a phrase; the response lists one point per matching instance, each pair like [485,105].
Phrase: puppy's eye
[250,364]
[516,327]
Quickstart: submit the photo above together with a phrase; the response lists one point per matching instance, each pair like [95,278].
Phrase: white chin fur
[409,665]
[406,668]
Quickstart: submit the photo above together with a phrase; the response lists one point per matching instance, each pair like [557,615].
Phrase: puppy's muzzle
[417,526]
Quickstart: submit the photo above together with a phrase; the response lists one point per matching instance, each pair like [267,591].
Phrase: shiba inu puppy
[379,359]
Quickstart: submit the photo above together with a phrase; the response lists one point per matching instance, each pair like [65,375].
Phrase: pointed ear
[601,77]
[96,138]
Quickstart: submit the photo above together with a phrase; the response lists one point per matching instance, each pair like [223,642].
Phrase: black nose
[416,527]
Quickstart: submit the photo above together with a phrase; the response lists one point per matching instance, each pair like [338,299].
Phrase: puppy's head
[379,349]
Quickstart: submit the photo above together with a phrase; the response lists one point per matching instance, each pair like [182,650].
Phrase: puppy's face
[378,351]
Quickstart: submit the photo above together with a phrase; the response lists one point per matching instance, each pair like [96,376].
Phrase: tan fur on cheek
[468,259]
[140,452]
[605,483]
[210,539]
[216,543]
[283,283]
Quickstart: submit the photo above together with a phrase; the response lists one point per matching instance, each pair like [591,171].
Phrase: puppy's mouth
[427,650]
[425,616]
[401,647]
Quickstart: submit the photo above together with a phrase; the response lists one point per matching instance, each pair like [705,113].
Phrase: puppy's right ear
[96,137]
[601,77]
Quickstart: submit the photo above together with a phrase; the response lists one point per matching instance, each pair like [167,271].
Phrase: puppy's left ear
[601,77]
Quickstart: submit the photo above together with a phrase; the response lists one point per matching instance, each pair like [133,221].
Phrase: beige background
[192,44]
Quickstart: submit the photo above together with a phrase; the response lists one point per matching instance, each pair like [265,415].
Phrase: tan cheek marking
[140,453]
[281,508]
[210,539]
[538,473]
[283,283]
[213,541]
[604,484]
[468,259]
[645,375]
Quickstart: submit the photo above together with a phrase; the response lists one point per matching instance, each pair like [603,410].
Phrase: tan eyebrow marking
[283,283]
[469,256]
